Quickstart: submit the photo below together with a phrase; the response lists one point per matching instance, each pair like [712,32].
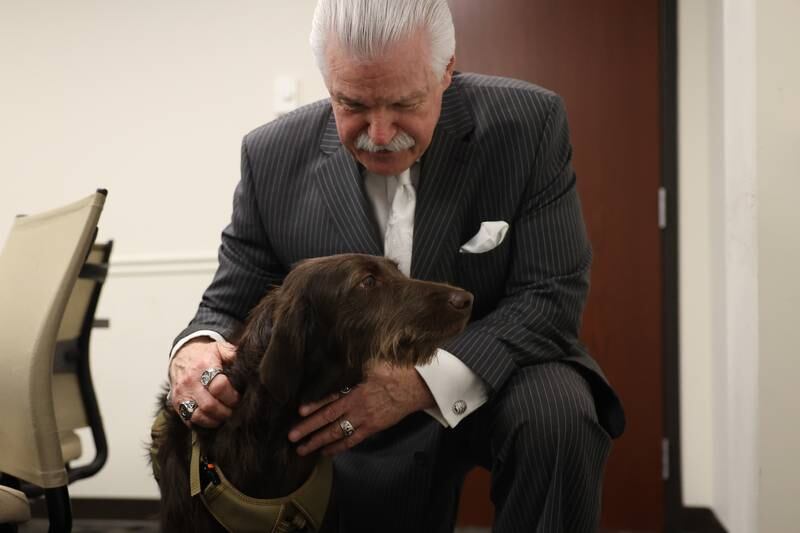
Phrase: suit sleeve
[247,270]
[538,317]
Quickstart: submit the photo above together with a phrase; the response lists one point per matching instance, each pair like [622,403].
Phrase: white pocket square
[489,237]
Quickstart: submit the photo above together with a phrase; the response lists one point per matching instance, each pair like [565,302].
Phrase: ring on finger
[186,409]
[346,427]
[208,375]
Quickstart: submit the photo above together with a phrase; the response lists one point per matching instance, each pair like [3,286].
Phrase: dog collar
[239,513]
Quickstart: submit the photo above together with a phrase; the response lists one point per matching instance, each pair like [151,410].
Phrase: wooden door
[603,58]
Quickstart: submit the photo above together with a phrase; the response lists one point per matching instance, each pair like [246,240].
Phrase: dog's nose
[460,299]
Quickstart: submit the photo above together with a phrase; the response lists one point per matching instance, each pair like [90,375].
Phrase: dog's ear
[283,364]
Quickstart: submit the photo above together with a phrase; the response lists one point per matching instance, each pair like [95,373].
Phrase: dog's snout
[460,299]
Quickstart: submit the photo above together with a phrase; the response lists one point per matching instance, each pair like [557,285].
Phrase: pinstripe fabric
[545,431]
[501,151]
[539,437]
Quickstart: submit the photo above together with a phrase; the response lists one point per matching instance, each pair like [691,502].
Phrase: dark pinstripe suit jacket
[500,151]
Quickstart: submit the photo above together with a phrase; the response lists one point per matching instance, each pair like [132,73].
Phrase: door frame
[677,516]
[673,491]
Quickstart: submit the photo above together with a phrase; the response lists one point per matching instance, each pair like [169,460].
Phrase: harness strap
[239,513]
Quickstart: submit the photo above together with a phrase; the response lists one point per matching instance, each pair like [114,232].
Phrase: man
[461,178]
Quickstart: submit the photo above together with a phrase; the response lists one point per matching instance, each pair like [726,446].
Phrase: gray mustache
[401,141]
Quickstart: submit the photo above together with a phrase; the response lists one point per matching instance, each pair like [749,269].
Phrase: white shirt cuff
[201,333]
[457,390]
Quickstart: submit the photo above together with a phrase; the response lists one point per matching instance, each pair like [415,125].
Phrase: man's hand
[388,395]
[215,403]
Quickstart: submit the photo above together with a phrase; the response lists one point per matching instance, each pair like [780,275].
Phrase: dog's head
[333,315]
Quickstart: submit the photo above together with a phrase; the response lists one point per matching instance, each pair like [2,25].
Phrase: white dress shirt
[457,390]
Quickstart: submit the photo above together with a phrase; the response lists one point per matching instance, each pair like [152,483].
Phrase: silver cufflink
[459,407]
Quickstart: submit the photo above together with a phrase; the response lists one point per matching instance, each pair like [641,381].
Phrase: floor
[144,526]
[148,526]
[95,526]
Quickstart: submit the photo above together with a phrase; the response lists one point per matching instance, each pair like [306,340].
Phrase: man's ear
[283,365]
[447,78]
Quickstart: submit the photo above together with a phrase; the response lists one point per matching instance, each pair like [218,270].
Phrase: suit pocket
[484,275]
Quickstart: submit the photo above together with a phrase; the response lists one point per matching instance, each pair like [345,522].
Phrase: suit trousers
[539,436]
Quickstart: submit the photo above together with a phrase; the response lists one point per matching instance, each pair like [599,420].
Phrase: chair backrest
[73,391]
[39,265]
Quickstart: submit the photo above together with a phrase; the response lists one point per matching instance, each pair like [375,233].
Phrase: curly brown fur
[307,338]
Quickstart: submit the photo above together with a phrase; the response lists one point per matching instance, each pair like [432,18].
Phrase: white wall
[778,156]
[694,170]
[734,266]
[149,100]
[719,260]
[739,137]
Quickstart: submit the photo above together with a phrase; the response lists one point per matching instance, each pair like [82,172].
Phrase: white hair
[365,28]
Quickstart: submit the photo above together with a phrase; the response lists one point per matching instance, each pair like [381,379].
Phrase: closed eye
[406,106]
[350,105]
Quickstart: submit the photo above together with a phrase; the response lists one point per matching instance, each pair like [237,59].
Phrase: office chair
[39,266]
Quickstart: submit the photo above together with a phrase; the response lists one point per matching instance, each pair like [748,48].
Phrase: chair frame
[96,273]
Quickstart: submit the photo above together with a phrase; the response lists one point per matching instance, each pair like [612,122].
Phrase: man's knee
[547,409]
[548,451]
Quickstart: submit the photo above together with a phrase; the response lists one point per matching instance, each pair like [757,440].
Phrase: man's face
[391,102]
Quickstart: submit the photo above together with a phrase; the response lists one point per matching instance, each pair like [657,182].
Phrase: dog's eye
[368,282]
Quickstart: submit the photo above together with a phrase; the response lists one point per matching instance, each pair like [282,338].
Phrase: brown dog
[306,339]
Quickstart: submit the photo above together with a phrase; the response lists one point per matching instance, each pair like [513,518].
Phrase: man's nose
[381,128]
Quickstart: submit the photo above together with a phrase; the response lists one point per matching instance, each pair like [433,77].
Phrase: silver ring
[186,409]
[208,375]
[345,390]
[347,427]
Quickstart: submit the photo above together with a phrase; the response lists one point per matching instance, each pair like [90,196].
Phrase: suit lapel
[340,185]
[446,180]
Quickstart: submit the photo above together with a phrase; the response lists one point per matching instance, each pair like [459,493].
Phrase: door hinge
[662,208]
[665,459]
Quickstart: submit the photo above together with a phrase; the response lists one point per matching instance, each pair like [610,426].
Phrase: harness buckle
[208,473]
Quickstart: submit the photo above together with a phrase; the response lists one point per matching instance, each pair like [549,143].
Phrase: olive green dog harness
[239,513]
